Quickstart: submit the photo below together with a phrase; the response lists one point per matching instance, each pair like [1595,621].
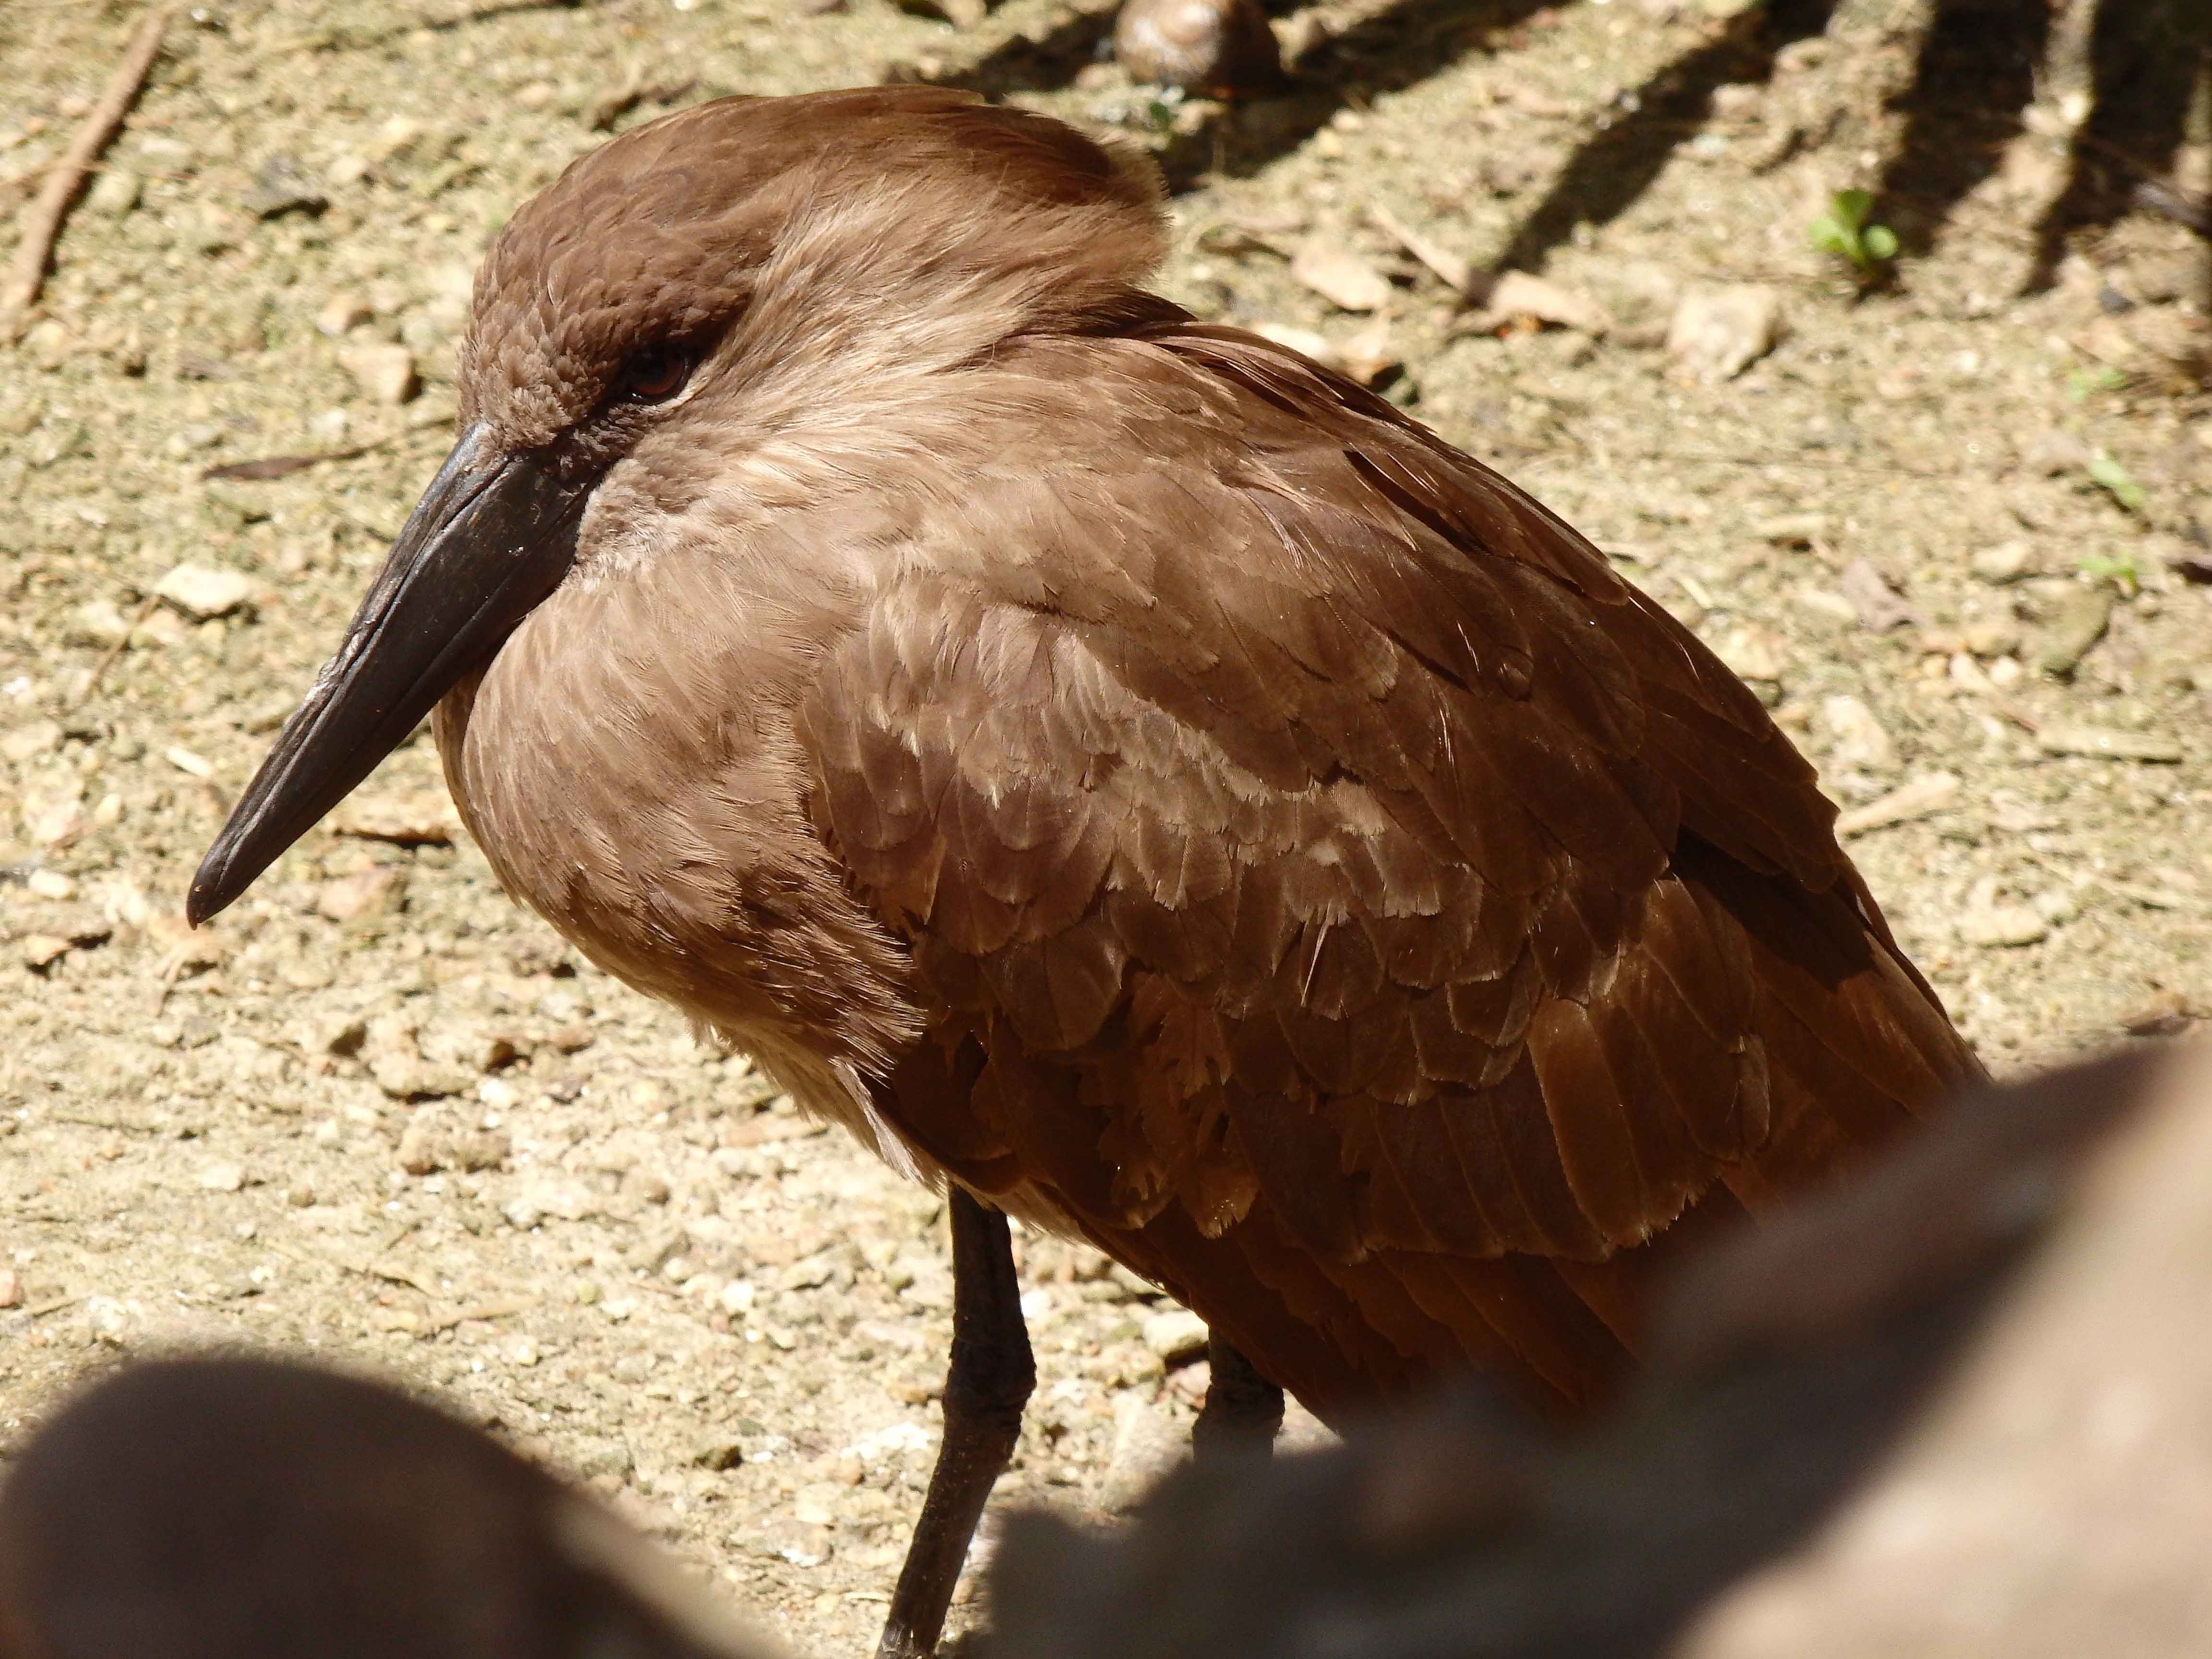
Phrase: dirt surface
[377,1112]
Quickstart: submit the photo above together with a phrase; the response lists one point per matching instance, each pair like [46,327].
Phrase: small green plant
[1158,111]
[2082,384]
[1843,231]
[2109,476]
[2118,568]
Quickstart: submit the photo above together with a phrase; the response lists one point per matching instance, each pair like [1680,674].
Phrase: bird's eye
[653,377]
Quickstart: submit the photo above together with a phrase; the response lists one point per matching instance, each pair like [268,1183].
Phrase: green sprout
[2081,384]
[2118,568]
[1843,231]
[2111,476]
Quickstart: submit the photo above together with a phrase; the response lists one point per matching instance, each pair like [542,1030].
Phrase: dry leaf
[1340,277]
[1515,294]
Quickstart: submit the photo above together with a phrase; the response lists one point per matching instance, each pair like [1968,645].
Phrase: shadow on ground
[1972,86]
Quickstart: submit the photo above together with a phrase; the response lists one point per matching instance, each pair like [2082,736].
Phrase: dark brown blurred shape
[241,1509]
[1961,1407]
[1217,48]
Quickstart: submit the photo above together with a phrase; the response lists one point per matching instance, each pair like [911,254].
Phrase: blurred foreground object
[1968,1396]
[240,1509]
[1216,48]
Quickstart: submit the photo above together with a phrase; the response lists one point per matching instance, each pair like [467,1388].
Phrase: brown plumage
[1108,760]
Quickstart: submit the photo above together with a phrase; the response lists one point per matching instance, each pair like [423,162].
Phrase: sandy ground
[377,1113]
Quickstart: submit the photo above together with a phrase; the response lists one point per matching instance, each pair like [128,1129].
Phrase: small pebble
[1176,1334]
[115,192]
[11,1288]
[26,742]
[370,892]
[1752,653]
[2074,623]
[2002,926]
[1826,607]
[2053,452]
[719,1454]
[1130,1283]
[280,187]
[343,313]
[97,622]
[222,1177]
[1993,636]
[41,951]
[202,593]
[1859,742]
[2008,561]
[2057,905]
[385,373]
[1881,607]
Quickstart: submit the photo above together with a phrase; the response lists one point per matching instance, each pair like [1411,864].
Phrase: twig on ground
[484,1310]
[67,176]
[1455,273]
[107,661]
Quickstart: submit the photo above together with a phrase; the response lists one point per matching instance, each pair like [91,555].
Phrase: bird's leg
[989,1384]
[1243,1409]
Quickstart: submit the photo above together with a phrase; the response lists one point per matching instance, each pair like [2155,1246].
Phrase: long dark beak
[492,535]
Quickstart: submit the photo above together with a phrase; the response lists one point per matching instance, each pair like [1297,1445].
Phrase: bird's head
[743,268]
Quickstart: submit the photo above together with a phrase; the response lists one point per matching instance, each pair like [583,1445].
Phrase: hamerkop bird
[1124,773]
[233,1508]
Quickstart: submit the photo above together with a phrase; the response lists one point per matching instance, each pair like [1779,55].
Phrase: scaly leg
[989,1384]
[1243,1409]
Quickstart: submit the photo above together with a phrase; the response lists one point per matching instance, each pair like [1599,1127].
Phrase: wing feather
[1357,890]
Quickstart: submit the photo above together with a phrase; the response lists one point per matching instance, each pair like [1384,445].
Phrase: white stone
[1175,1333]
[39,738]
[202,593]
[1857,740]
[343,313]
[114,193]
[2008,561]
[386,373]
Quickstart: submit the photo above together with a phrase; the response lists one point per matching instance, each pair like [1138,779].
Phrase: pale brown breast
[627,761]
